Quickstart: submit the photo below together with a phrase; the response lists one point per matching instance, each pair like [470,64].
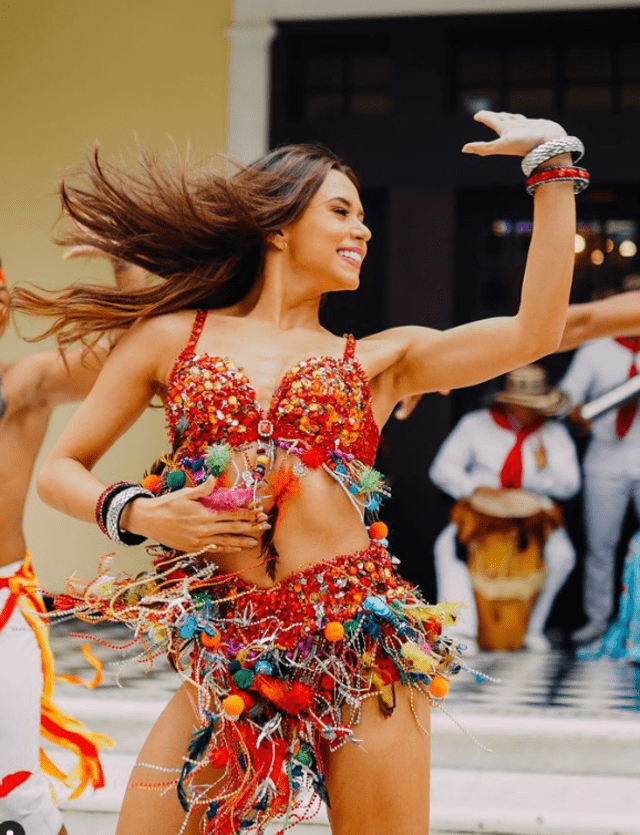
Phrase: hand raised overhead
[517,134]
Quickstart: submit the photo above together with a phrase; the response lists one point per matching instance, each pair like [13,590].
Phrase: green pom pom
[369,480]
[304,755]
[243,679]
[217,458]
[176,480]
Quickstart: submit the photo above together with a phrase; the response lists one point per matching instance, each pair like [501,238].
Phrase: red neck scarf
[626,414]
[511,472]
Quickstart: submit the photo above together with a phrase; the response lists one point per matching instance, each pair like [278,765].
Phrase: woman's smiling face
[329,241]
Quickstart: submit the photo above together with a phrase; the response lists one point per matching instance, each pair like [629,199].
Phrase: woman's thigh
[382,784]
[150,810]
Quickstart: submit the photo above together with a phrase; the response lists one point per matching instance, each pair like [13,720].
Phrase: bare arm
[429,360]
[424,360]
[617,315]
[120,395]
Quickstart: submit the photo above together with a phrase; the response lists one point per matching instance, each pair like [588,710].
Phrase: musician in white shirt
[611,470]
[513,444]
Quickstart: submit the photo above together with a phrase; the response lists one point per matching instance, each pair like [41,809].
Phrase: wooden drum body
[505,560]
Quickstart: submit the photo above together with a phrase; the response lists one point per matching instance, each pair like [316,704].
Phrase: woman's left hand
[517,135]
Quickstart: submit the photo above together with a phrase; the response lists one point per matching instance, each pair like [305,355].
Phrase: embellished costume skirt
[281,673]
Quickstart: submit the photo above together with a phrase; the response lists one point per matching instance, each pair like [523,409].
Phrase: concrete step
[528,742]
[546,775]
[538,743]
[522,803]
[463,801]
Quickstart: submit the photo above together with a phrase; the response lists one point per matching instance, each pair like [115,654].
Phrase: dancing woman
[296,646]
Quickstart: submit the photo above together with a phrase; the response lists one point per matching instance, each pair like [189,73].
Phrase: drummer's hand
[127,276]
[517,135]
[179,521]
[580,425]
[405,407]
[485,490]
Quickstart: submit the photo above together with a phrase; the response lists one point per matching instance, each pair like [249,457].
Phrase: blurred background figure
[508,460]
[611,466]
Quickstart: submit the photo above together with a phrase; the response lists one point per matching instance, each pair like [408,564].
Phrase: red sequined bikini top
[322,403]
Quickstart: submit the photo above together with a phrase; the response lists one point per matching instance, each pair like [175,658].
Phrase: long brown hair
[200,231]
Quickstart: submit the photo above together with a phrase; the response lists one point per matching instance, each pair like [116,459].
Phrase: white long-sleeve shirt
[595,369]
[475,451]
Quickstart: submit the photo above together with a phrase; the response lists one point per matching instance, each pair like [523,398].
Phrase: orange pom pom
[439,687]
[233,705]
[334,631]
[210,641]
[152,482]
[378,530]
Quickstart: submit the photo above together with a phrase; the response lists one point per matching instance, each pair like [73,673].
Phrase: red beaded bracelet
[580,177]
[103,503]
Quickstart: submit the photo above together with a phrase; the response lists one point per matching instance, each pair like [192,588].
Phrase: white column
[249,81]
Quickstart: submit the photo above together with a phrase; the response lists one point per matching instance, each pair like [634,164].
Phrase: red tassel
[12,781]
[292,699]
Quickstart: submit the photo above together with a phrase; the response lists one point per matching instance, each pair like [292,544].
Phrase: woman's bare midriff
[318,521]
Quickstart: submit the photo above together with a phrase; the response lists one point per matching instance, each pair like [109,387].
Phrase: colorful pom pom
[378,530]
[152,482]
[176,480]
[217,458]
[233,705]
[210,638]
[439,687]
[334,631]
[263,667]
[313,458]
[243,679]
[369,480]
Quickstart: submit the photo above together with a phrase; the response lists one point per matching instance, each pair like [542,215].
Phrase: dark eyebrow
[347,203]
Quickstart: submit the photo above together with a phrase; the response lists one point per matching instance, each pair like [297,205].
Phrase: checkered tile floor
[124,677]
[555,683]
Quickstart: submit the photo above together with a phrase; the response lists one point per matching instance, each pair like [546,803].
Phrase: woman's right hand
[179,521]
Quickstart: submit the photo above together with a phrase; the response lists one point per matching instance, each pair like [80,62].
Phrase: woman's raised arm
[430,360]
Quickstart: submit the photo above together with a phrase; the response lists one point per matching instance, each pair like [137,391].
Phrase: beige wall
[72,72]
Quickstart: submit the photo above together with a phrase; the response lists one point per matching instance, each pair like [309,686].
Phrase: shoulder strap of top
[349,347]
[196,330]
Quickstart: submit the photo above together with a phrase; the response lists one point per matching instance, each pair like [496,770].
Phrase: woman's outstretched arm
[617,315]
[430,360]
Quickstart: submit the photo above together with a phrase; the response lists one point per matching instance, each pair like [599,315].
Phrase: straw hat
[528,386]
[510,504]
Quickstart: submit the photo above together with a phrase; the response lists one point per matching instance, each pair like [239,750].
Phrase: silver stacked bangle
[548,150]
[114,512]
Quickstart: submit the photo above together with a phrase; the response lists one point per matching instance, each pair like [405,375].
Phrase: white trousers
[606,498]
[30,804]
[454,580]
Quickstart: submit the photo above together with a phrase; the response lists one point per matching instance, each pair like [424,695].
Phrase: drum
[504,534]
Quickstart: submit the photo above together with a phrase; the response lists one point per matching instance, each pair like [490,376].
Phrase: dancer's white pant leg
[30,804]
[606,498]
[560,559]
[454,581]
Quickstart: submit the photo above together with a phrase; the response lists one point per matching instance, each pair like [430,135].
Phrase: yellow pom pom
[334,631]
[233,705]
[439,687]
[378,530]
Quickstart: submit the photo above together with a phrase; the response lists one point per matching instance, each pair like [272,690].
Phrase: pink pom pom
[225,498]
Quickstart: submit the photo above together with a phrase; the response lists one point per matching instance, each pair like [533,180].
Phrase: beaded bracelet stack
[542,153]
[110,506]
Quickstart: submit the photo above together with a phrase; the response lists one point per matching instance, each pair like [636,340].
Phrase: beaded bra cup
[320,412]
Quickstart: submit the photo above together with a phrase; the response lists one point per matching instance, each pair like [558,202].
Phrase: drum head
[510,504]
